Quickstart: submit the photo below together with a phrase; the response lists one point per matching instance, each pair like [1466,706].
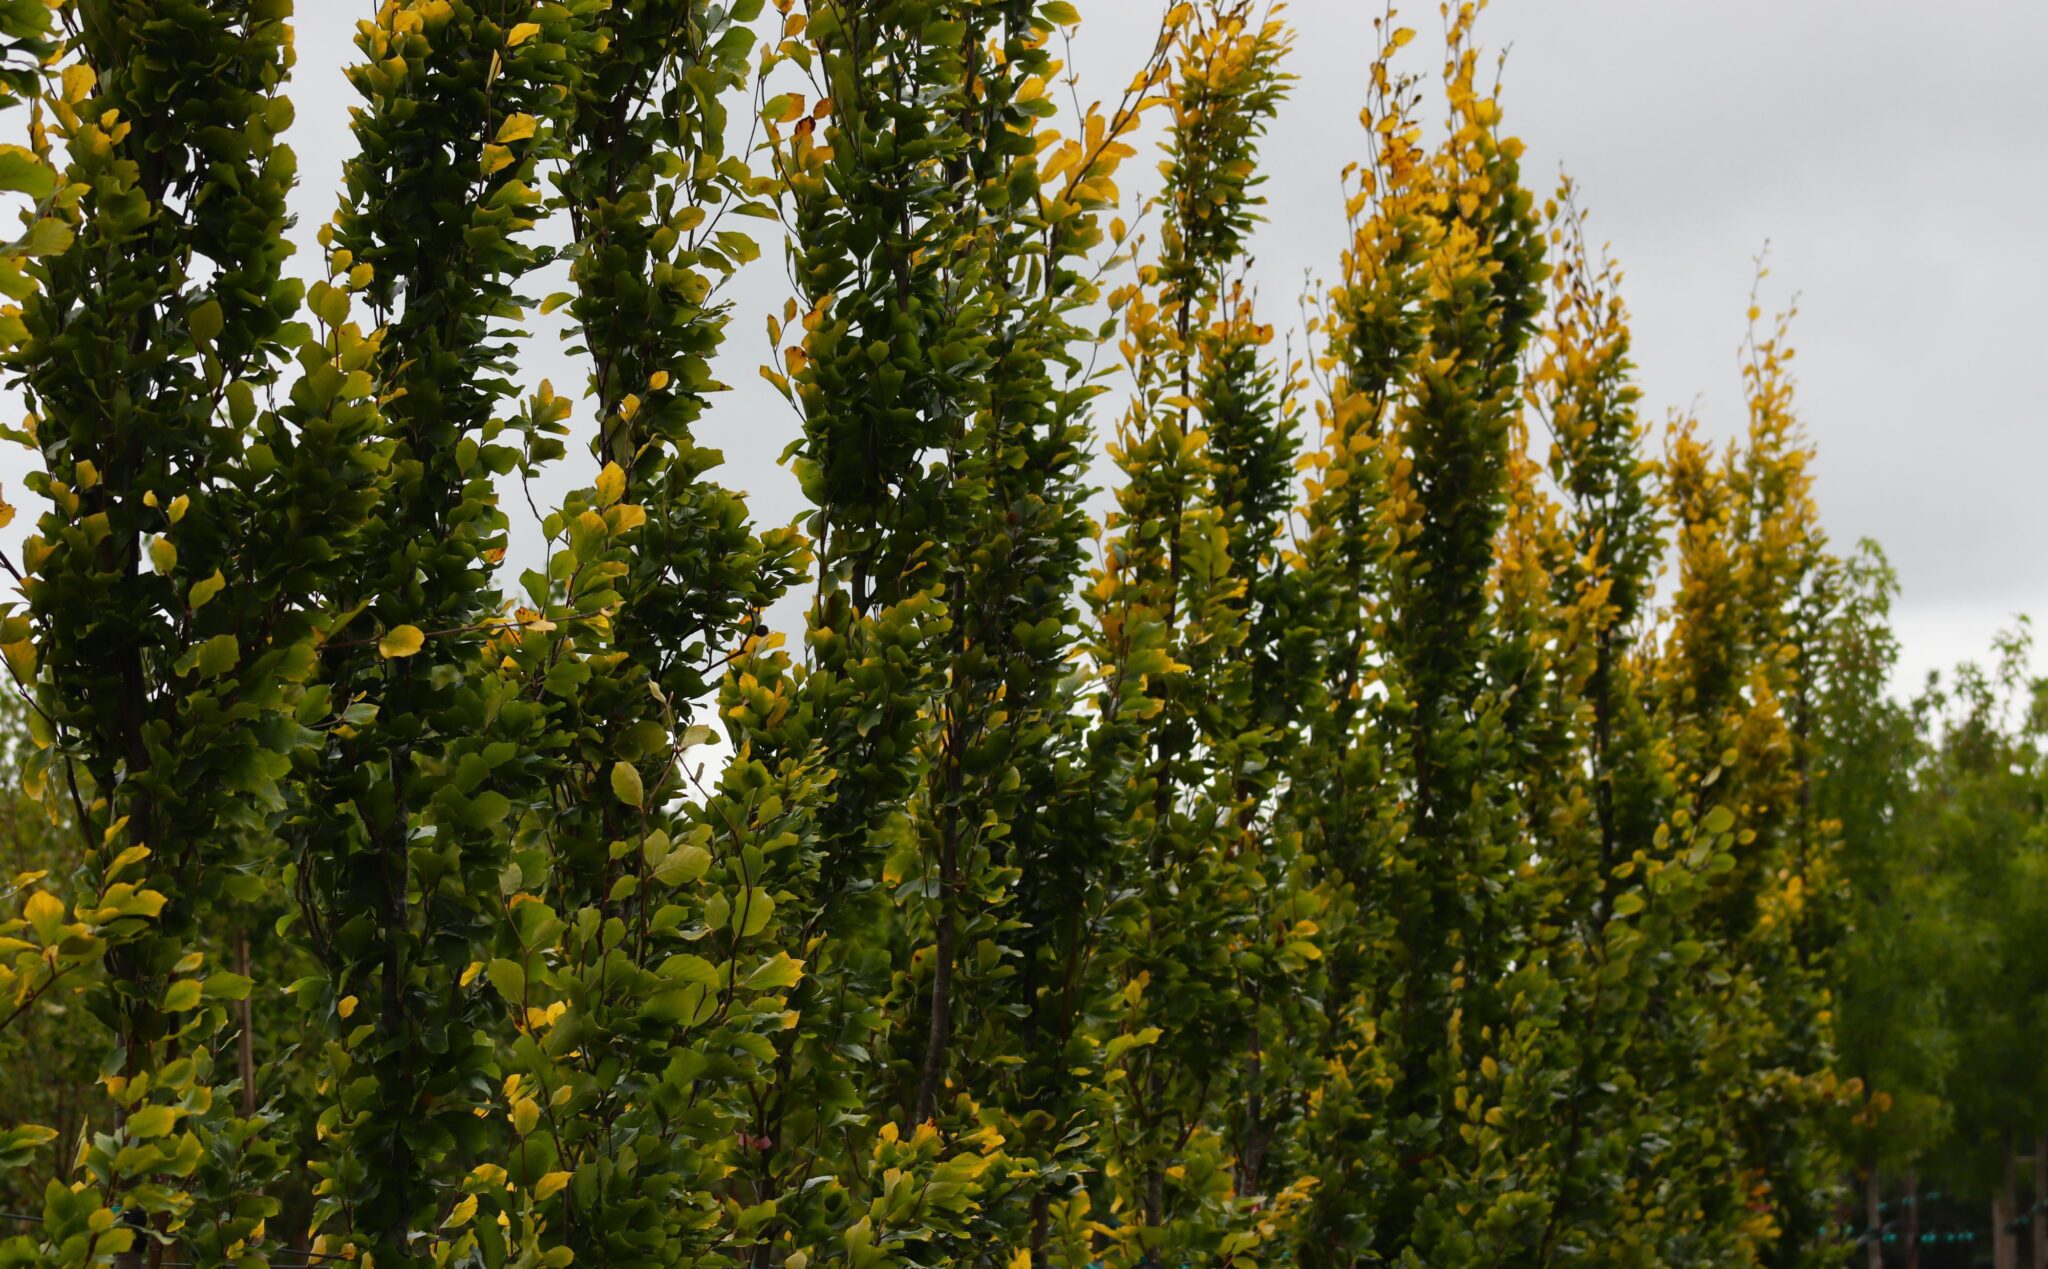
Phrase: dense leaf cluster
[1335,855]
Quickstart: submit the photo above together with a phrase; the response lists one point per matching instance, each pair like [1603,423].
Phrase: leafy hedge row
[1335,856]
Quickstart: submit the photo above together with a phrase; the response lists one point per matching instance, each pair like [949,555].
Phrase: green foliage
[1351,862]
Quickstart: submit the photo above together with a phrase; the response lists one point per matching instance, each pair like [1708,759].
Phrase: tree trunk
[1912,1220]
[1873,1221]
[2005,1250]
[2037,1229]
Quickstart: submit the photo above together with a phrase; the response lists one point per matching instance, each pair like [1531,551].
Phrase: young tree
[1203,938]
[174,587]
[941,241]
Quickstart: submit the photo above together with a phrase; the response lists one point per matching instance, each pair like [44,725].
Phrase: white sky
[1892,154]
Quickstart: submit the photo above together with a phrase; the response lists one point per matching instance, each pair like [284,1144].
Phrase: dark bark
[2037,1229]
[2005,1247]
[1912,1220]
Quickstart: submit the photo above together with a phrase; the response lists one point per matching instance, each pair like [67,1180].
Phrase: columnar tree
[404,829]
[1190,563]
[176,585]
[940,243]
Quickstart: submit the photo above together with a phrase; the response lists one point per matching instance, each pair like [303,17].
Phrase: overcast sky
[1890,153]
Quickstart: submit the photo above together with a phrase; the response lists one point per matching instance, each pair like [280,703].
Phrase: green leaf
[225,986]
[686,1006]
[21,172]
[204,590]
[776,974]
[685,968]
[751,911]
[642,738]
[626,784]
[218,655]
[509,977]
[152,1121]
[183,996]
[487,810]
[48,237]
[205,323]
[683,865]
[18,1145]
[1123,1044]
[241,403]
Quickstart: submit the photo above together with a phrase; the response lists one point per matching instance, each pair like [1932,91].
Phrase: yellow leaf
[78,82]
[611,484]
[152,1121]
[521,34]
[126,860]
[462,1214]
[496,159]
[550,1185]
[402,641]
[45,912]
[517,128]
